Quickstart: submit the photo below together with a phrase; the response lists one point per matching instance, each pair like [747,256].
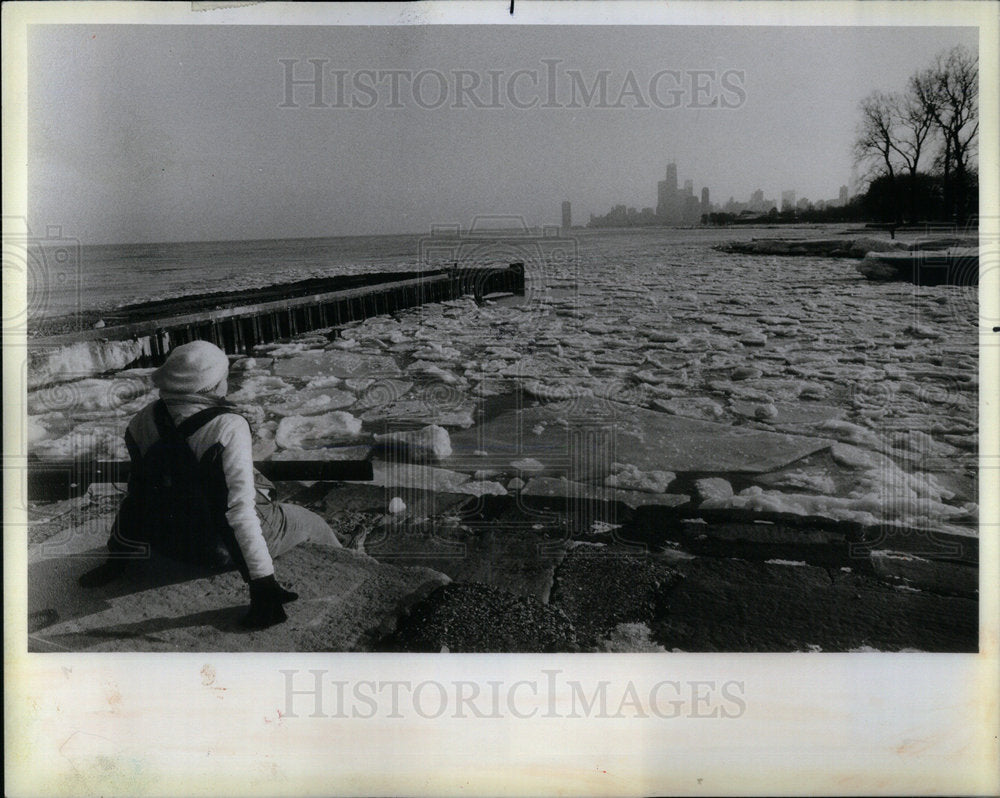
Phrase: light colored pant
[285,526]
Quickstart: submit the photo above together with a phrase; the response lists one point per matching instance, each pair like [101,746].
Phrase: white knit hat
[192,368]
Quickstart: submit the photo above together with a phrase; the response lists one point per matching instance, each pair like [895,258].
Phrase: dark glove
[266,600]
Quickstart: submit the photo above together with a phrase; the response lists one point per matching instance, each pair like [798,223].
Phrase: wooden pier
[238,321]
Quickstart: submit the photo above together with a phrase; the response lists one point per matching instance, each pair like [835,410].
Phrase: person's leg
[123,550]
[285,526]
[315,528]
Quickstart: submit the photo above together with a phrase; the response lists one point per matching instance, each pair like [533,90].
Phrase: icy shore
[780,388]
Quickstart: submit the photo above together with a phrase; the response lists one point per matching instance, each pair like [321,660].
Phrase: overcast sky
[170,133]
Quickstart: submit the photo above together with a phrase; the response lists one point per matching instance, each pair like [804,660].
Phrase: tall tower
[567,215]
[672,177]
[667,201]
[706,206]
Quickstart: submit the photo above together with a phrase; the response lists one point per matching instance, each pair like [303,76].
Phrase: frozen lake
[805,386]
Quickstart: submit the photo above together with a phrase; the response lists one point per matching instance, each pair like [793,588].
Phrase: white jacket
[232,433]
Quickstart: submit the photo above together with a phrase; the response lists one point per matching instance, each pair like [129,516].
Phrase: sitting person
[193,492]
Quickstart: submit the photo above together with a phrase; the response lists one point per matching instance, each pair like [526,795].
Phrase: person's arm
[266,596]
[241,493]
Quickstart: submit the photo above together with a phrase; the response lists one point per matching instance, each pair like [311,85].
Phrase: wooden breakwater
[237,321]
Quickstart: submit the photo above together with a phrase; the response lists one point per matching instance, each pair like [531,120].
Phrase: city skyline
[683,206]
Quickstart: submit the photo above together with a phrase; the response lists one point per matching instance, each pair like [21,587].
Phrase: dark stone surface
[476,618]
[737,605]
[599,588]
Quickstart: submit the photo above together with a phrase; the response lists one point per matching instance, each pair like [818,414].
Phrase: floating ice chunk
[796,563]
[798,478]
[812,391]
[847,432]
[648,376]
[921,331]
[765,412]
[257,388]
[494,387]
[92,395]
[917,441]
[89,440]
[628,477]
[424,369]
[422,410]
[691,407]
[712,488]
[328,382]
[346,365]
[528,464]
[251,364]
[554,391]
[515,484]
[374,393]
[739,390]
[263,447]
[430,443]
[854,457]
[310,402]
[338,452]
[344,344]
[36,430]
[435,351]
[482,487]
[78,360]
[312,432]
[288,350]
[416,477]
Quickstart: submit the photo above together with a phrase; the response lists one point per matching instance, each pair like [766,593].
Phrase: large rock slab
[736,605]
[583,437]
[346,600]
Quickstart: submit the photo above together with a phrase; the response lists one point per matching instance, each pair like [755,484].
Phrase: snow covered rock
[628,477]
[429,443]
[397,505]
[710,488]
[309,402]
[313,432]
[83,359]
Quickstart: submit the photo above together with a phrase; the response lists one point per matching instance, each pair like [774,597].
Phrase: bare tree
[875,143]
[949,93]
[913,125]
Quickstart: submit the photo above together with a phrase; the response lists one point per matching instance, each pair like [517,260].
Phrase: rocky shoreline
[505,575]
[847,247]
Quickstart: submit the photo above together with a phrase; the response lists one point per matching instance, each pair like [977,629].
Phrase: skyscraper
[667,201]
[843,195]
[567,215]
[706,206]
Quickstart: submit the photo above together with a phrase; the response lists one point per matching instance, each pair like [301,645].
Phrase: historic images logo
[316,83]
